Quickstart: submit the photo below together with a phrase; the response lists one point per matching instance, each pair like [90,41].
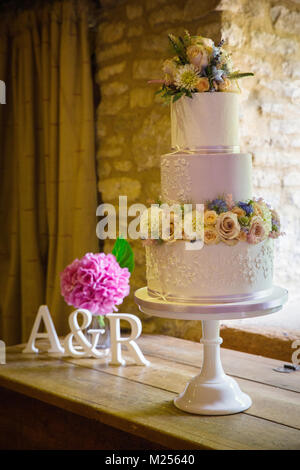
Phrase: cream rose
[210,217]
[208,43]
[197,55]
[211,236]
[228,228]
[202,84]
[257,209]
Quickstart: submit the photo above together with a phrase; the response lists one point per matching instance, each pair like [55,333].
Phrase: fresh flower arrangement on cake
[252,221]
[223,220]
[99,282]
[198,66]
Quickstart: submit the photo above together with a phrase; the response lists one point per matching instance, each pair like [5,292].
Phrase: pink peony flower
[95,282]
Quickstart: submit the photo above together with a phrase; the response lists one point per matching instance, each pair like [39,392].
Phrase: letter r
[117,340]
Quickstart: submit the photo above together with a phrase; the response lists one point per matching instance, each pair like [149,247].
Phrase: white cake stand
[212,392]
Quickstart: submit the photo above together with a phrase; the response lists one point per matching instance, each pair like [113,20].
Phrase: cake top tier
[208,122]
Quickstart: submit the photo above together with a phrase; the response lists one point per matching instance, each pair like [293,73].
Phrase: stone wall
[133,127]
[265,38]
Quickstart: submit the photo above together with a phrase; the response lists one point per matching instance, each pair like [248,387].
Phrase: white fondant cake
[208,120]
[206,165]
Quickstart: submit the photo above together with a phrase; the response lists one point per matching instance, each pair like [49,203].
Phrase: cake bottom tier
[215,273]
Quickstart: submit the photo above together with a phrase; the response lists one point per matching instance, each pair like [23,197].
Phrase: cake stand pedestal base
[212,392]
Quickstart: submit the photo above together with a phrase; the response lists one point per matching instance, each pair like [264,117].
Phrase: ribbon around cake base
[211,149]
[211,299]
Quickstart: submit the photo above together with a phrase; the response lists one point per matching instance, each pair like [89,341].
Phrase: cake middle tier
[197,177]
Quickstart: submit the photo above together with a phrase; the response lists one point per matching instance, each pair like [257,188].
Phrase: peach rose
[228,228]
[243,236]
[202,84]
[211,236]
[229,86]
[225,85]
[210,217]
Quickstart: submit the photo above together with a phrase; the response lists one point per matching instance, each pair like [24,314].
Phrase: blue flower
[216,52]
[217,74]
[246,207]
[218,205]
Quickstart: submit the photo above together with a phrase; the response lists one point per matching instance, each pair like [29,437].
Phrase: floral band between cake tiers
[198,66]
[222,220]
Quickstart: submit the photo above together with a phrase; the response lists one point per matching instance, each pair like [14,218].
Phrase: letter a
[117,340]
[44,314]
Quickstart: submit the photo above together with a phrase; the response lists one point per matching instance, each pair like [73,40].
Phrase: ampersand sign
[86,348]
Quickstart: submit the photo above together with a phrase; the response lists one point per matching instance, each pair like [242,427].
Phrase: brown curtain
[48,177]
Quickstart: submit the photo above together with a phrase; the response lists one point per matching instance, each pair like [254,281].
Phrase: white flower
[150,222]
[186,77]
[262,210]
[193,225]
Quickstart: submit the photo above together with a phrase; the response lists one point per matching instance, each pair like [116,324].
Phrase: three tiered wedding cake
[234,262]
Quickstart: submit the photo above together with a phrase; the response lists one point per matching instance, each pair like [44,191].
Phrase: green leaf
[124,254]
[101,321]
[240,75]
[179,48]
[178,96]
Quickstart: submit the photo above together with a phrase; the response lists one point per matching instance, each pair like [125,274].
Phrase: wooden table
[66,403]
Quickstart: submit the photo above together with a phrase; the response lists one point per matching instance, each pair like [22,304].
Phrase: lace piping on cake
[182,274]
[175,174]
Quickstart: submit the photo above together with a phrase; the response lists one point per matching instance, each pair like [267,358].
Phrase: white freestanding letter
[117,340]
[44,314]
